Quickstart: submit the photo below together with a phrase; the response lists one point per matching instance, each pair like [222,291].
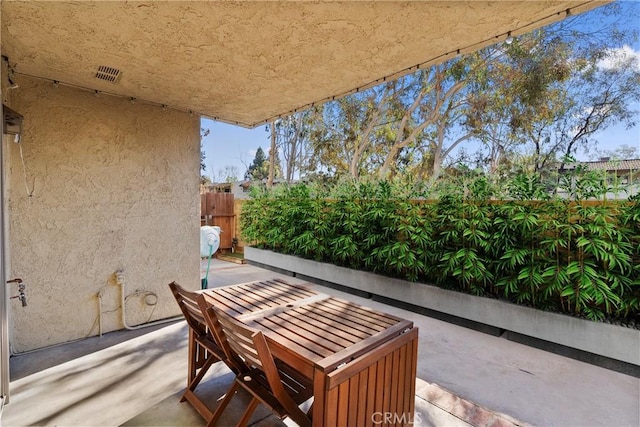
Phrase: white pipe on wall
[4,297]
[100,312]
[120,282]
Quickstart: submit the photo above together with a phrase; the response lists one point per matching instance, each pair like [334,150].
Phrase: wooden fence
[218,209]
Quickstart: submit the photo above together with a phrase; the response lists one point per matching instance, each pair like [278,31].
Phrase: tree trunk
[272,156]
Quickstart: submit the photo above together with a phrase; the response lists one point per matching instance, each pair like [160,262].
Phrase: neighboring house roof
[609,165]
[238,188]
[250,62]
[214,185]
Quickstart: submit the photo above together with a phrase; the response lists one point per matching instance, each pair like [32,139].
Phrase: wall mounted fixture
[12,121]
[509,39]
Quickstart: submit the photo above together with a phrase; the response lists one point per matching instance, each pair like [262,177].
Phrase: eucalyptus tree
[559,87]
[348,135]
[440,111]
[539,98]
[516,91]
[411,125]
[292,139]
[585,94]
[396,126]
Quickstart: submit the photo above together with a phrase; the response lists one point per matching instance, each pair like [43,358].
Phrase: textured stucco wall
[114,186]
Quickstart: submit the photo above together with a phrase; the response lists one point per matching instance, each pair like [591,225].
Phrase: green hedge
[575,257]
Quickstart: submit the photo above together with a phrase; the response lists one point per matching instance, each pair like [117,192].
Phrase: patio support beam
[4,297]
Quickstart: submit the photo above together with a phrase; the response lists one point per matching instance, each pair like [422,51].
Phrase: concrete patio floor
[135,378]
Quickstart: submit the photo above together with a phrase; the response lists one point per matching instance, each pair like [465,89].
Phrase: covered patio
[464,378]
[99,175]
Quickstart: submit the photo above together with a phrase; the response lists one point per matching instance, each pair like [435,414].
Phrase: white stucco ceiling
[248,62]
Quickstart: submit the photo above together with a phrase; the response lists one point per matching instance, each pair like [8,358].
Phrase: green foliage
[563,254]
[259,168]
[203,133]
[547,94]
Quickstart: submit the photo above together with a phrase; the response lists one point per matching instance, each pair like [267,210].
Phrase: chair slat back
[246,348]
[187,302]
[206,305]
[240,338]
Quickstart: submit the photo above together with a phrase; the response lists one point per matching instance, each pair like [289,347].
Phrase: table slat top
[239,300]
[324,330]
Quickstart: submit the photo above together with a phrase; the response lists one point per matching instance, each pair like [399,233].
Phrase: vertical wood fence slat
[218,209]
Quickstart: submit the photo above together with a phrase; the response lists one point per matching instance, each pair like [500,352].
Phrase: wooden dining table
[362,361]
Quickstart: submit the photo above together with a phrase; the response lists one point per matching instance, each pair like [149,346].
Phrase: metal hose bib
[21,288]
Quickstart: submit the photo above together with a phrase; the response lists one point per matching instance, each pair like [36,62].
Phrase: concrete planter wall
[610,341]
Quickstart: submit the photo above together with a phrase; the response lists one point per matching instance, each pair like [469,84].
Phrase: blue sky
[229,145]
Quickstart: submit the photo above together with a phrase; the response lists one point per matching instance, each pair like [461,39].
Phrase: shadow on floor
[137,377]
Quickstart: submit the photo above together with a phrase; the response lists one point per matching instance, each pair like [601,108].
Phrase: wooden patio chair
[274,384]
[204,351]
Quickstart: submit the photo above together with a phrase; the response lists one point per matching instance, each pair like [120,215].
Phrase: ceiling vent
[109,74]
